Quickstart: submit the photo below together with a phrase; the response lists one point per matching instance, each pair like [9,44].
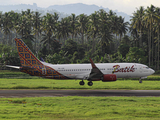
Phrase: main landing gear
[81,82]
[90,83]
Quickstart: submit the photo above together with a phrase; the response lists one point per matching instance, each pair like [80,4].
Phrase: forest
[102,36]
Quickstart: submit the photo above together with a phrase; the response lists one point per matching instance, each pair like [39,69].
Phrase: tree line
[103,36]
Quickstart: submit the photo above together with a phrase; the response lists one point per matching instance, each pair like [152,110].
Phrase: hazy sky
[127,6]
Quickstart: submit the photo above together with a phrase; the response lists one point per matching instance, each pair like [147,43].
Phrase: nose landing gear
[140,80]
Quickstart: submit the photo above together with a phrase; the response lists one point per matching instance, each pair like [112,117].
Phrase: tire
[140,81]
[90,83]
[81,83]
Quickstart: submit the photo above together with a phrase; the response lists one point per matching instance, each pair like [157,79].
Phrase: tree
[157,30]
[124,47]
[73,23]
[93,28]
[7,22]
[137,22]
[64,28]
[150,17]
[37,22]
[136,55]
[82,27]
[123,27]
[49,27]
[105,33]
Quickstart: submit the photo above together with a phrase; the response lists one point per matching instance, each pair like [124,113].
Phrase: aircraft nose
[152,71]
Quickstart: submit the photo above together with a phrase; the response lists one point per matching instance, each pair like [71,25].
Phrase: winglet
[92,63]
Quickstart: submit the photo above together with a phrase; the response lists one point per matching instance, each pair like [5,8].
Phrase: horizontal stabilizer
[16,67]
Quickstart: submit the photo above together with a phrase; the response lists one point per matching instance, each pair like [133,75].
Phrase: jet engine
[109,78]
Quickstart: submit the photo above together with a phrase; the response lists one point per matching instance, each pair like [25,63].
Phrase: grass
[77,108]
[88,108]
[20,75]
[15,74]
[73,84]
[19,80]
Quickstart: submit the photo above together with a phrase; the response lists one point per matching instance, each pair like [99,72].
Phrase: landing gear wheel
[140,81]
[81,82]
[90,83]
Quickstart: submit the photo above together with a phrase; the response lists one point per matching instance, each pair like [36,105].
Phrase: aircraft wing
[95,74]
[16,67]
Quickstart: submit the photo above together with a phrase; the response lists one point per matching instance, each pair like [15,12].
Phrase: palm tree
[15,22]
[115,24]
[105,33]
[56,17]
[1,22]
[82,21]
[134,34]
[64,29]
[138,22]
[49,27]
[37,28]
[93,28]
[48,40]
[73,22]
[21,28]
[7,23]
[29,15]
[123,27]
[24,29]
[157,27]
[150,17]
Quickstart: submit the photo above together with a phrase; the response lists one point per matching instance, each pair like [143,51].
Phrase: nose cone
[152,71]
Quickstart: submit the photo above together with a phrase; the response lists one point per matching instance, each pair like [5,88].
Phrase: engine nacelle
[109,78]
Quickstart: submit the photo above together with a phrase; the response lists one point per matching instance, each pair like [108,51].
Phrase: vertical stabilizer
[31,65]
[26,56]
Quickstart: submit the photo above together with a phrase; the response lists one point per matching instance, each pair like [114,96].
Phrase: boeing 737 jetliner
[105,72]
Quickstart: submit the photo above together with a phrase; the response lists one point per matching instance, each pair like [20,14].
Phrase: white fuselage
[122,70]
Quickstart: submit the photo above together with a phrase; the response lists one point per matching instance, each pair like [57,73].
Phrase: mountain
[80,8]
[7,8]
[77,9]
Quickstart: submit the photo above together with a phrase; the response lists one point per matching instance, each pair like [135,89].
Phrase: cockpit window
[147,67]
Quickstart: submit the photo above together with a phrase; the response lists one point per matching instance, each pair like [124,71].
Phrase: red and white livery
[105,72]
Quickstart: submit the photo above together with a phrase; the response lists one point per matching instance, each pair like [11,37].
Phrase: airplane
[105,72]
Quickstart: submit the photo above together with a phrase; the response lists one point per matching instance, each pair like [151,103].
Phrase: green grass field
[73,84]
[20,75]
[88,108]
[77,108]
[19,80]
[14,74]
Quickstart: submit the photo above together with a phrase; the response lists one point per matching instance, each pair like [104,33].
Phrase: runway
[54,93]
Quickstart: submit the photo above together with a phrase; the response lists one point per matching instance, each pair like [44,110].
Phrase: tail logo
[31,65]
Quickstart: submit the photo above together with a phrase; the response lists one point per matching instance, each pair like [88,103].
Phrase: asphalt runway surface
[60,93]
